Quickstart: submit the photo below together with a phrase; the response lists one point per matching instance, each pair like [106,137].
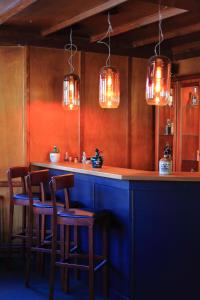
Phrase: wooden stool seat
[76,213]
[47,204]
[36,197]
[23,199]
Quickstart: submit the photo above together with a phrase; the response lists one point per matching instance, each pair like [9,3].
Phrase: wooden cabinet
[178,125]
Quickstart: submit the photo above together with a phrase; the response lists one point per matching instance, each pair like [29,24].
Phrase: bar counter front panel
[155,228]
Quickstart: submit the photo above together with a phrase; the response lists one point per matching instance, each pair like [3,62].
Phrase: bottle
[66,157]
[168,127]
[97,160]
[165,163]
[84,158]
[193,97]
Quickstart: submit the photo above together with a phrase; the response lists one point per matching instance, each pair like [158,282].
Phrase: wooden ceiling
[135,25]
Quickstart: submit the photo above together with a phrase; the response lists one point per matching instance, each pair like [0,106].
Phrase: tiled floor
[12,285]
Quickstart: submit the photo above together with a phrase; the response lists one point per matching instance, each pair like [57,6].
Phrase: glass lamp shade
[109,88]
[71,92]
[158,80]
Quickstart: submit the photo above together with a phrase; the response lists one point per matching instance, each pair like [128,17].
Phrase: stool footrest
[70,265]
[43,250]
[65,263]
[20,236]
[73,249]
[100,265]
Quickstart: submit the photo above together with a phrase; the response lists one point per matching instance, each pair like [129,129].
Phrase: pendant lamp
[158,80]
[109,82]
[71,83]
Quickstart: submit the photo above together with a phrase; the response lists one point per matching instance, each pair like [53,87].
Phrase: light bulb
[109,88]
[158,80]
[71,92]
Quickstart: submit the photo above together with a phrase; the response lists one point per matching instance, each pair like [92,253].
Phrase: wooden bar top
[119,173]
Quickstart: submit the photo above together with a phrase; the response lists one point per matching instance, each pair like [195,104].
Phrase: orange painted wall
[106,129]
[49,123]
[124,134]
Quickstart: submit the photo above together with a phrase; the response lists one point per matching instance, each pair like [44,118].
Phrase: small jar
[165,165]
[75,160]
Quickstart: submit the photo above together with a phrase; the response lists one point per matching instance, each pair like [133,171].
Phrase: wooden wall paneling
[50,123]
[142,120]
[106,129]
[129,111]
[189,66]
[12,118]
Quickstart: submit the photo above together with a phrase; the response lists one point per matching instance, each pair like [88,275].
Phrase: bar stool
[77,217]
[19,199]
[38,211]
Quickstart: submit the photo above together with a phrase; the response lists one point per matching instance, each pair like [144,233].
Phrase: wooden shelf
[166,135]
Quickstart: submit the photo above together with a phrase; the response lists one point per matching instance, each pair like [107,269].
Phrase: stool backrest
[37,178]
[61,182]
[17,172]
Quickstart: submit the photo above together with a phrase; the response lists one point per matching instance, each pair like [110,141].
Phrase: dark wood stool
[20,199]
[77,217]
[38,211]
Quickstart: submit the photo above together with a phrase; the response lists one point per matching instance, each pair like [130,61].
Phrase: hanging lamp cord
[160,32]
[72,49]
[107,36]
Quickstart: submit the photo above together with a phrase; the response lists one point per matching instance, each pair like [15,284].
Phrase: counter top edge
[119,173]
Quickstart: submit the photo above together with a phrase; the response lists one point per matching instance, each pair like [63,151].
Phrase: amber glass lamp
[109,83]
[158,80]
[71,82]
[109,94]
[71,91]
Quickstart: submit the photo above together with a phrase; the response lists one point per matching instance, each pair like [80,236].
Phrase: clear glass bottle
[193,97]
[84,158]
[165,163]
[168,127]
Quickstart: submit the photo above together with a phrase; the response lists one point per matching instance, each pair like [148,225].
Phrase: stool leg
[37,233]
[43,230]
[10,229]
[105,268]
[67,250]
[76,271]
[62,253]
[29,245]
[53,262]
[24,228]
[91,262]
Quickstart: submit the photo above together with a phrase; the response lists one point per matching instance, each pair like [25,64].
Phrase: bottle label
[165,167]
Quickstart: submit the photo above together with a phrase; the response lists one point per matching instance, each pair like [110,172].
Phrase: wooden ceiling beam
[10,8]
[166,13]
[82,16]
[186,47]
[184,4]
[177,32]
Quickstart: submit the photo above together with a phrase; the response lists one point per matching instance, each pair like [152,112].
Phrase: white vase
[54,157]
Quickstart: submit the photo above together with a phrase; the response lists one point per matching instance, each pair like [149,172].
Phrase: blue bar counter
[155,228]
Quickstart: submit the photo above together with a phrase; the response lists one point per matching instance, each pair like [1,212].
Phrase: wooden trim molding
[5,184]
